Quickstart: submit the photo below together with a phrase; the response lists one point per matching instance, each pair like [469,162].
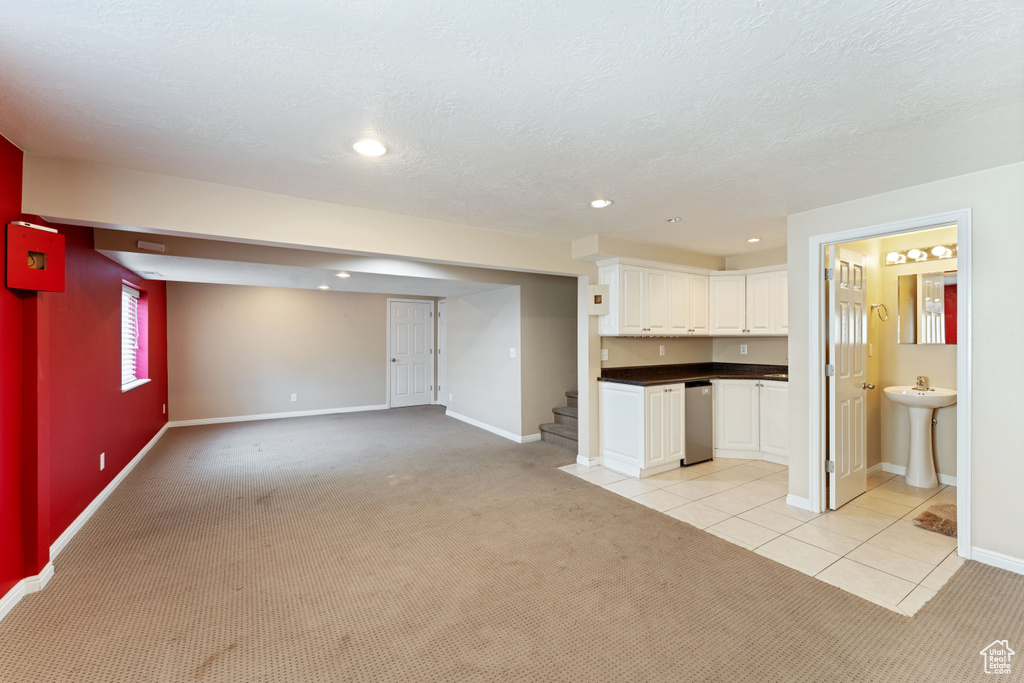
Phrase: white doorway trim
[818,421]
[387,357]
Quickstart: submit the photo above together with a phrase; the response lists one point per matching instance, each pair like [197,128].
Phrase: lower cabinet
[752,419]
[642,427]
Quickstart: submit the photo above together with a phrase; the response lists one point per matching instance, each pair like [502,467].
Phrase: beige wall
[757,259]
[235,351]
[105,196]
[484,381]
[760,350]
[548,347]
[997,205]
[628,351]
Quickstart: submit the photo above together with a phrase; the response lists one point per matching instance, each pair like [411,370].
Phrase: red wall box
[35,259]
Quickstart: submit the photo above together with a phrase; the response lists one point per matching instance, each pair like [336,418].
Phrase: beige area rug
[940,518]
[404,546]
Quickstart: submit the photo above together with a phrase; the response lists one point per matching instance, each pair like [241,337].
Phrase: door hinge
[830,274]
[830,370]
[830,466]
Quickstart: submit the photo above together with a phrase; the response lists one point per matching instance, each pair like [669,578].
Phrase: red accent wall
[949,306]
[11,559]
[60,390]
[86,412]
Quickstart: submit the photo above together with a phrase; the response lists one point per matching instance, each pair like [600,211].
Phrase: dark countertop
[651,375]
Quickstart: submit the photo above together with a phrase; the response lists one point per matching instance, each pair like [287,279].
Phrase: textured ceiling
[514,115]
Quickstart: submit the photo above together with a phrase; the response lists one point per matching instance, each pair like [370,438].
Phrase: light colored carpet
[406,546]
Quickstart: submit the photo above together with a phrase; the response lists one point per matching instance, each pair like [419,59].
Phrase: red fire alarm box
[35,258]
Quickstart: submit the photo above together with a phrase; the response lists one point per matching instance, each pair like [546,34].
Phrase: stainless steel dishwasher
[699,431]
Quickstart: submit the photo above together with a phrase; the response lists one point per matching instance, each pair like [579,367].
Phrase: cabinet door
[728,304]
[737,415]
[631,300]
[622,426]
[759,303]
[678,304]
[781,295]
[666,421]
[698,305]
[658,413]
[656,301]
[775,418]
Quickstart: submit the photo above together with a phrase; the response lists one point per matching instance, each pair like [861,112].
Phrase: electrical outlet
[295,397]
[604,354]
[871,351]
[512,352]
[451,397]
[165,409]
[661,350]
[103,460]
[743,349]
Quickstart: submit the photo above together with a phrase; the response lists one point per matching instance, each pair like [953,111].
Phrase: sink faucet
[922,385]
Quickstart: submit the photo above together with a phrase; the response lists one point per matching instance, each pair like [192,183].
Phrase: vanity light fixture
[342,275]
[674,219]
[601,203]
[370,148]
[936,253]
[754,239]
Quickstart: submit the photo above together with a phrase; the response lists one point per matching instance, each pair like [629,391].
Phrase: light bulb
[370,148]
[601,203]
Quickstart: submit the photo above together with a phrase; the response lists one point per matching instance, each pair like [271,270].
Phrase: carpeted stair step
[567,415]
[560,435]
[571,398]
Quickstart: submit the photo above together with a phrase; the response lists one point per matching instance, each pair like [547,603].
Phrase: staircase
[562,432]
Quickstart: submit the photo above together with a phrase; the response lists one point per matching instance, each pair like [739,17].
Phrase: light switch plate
[661,350]
[512,352]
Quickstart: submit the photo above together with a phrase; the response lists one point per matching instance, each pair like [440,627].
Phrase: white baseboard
[91,508]
[799,502]
[902,471]
[589,462]
[492,429]
[777,459]
[874,469]
[991,557]
[26,586]
[274,416]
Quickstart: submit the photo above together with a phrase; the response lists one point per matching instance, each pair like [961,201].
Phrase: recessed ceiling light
[369,148]
[342,275]
[323,287]
[674,219]
[601,203]
[754,239]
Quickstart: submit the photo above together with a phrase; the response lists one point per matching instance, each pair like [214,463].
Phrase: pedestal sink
[921,403]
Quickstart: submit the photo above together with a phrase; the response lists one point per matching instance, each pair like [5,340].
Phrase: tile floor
[869,547]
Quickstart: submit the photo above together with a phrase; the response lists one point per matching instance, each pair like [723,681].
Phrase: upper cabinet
[649,301]
[659,300]
[750,304]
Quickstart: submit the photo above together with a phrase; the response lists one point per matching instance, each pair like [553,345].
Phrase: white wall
[997,201]
[234,351]
[549,369]
[760,350]
[484,381]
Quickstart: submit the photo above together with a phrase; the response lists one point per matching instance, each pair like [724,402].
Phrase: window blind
[129,334]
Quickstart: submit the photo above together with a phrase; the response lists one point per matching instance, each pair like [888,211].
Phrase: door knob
[392,360]
[868,386]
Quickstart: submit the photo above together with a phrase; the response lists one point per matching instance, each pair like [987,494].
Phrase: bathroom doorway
[869,332]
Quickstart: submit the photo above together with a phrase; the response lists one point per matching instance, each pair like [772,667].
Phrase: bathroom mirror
[927,308]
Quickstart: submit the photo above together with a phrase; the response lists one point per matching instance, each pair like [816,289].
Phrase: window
[133,360]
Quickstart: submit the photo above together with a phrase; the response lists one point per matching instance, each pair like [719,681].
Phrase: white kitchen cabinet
[728,304]
[774,398]
[653,301]
[749,304]
[642,428]
[752,419]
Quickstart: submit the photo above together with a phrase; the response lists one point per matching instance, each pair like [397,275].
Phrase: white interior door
[411,347]
[847,390]
[442,352]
